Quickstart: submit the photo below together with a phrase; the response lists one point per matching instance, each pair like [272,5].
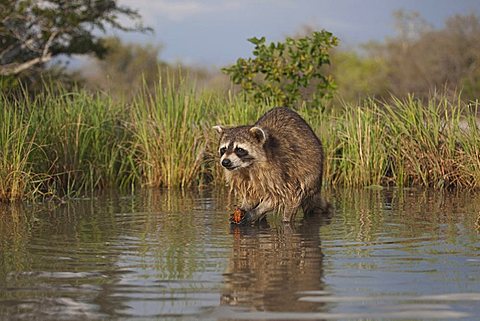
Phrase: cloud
[178,10]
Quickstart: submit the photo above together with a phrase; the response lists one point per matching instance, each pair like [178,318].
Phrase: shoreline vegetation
[64,143]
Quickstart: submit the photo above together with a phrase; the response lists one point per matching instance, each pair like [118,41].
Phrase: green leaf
[257,41]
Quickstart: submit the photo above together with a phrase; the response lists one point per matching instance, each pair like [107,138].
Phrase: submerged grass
[62,143]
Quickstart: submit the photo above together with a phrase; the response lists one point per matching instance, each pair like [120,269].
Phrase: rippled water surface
[384,254]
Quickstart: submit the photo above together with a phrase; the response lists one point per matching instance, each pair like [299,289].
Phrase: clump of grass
[17,180]
[422,140]
[83,141]
[62,143]
[75,142]
[168,130]
[468,157]
[360,155]
[407,142]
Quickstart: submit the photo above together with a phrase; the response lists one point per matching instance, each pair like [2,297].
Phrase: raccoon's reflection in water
[269,268]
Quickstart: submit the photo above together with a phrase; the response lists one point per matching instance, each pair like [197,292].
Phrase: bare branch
[15,68]
[49,42]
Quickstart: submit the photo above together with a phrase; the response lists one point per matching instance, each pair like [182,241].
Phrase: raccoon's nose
[226,162]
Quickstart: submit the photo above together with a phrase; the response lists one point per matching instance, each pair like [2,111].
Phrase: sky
[215,32]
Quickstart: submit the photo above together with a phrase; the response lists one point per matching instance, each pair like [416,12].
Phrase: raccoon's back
[291,143]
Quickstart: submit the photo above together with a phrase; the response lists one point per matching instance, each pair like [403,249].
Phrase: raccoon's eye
[240,152]
[222,151]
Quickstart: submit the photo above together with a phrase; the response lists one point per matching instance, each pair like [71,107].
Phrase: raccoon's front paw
[240,216]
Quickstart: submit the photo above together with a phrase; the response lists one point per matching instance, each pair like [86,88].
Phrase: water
[165,255]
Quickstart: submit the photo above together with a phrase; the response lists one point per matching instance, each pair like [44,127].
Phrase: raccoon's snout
[227,163]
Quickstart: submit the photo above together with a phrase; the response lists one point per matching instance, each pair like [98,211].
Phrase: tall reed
[407,142]
[361,155]
[64,142]
[168,130]
[17,179]
[83,141]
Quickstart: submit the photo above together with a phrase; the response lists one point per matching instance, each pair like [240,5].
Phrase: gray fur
[282,170]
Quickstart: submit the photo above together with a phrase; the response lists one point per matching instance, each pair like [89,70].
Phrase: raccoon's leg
[315,205]
[248,205]
[257,213]
[289,213]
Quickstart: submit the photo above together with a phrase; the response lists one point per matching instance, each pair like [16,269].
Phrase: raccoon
[274,165]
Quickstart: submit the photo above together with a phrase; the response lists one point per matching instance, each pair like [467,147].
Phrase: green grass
[16,146]
[360,156]
[83,141]
[168,130]
[66,143]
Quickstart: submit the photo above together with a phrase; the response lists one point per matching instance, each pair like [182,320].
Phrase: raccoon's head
[241,146]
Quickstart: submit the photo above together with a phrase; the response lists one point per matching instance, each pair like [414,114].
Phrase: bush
[287,73]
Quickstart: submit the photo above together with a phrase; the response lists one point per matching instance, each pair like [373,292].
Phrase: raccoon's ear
[219,129]
[259,134]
